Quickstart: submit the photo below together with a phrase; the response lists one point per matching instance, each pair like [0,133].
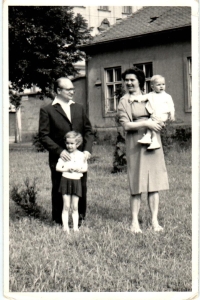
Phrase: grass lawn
[104,256]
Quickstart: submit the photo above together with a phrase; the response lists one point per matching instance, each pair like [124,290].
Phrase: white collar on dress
[130,98]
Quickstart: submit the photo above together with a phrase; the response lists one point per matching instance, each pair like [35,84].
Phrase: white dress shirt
[65,106]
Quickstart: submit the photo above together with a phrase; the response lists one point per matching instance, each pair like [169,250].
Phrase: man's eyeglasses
[68,90]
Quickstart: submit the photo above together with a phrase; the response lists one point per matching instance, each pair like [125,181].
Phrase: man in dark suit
[56,119]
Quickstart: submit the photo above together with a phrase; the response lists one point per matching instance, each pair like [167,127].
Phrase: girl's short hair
[138,73]
[156,77]
[74,135]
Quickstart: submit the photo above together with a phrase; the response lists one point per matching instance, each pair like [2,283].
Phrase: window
[103,7]
[147,68]
[187,63]
[113,82]
[127,9]
[189,82]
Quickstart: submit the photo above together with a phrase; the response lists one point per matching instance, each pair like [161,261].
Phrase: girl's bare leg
[135,207]
[65,212]
[75,215]
[153,200]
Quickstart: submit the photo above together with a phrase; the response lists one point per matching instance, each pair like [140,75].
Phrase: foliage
[104,256]
[183,135]
[119,160]
[176,136]
[15,98]
[43,45]
[27,196]
[37,144]
[167,137]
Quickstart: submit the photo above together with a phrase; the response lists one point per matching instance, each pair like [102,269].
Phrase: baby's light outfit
[160,106]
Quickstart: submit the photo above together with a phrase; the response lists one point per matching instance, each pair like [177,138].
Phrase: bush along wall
[37,144]
[177,137]
[119,159]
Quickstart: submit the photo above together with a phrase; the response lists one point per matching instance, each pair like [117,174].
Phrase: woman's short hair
[74,135]
[138,73]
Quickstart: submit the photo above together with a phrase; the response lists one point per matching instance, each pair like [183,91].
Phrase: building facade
[100,18]
[155,39]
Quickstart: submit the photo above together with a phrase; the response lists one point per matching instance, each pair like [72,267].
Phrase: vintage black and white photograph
[100,102]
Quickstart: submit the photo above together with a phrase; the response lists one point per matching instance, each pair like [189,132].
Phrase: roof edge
[133,37]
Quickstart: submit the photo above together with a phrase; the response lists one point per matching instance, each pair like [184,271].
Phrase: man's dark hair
[56,85]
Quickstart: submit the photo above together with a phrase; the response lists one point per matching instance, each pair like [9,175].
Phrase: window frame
[113,83]
[187,78]
[103,8]
[125,12]
[147,79]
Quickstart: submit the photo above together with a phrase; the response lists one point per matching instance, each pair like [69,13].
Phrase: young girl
[160,106]
[70,185]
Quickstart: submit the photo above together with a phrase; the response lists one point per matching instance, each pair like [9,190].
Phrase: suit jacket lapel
[59,109]
[72,109]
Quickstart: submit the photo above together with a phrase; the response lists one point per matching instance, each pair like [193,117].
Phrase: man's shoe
[81,220]
[58,221]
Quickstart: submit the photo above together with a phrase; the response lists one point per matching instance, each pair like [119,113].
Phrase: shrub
[37,144]
[183,136]
[167,137]
[26,197]
[119,160]
[176,136]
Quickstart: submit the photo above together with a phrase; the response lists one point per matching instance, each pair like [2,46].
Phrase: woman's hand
[154,125]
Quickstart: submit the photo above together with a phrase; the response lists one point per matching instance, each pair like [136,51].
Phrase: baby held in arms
[160,107]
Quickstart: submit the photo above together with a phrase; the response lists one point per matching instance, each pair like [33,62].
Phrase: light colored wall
[167,60]
[30,116]
[94,16]
[12,124]
[80,91]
